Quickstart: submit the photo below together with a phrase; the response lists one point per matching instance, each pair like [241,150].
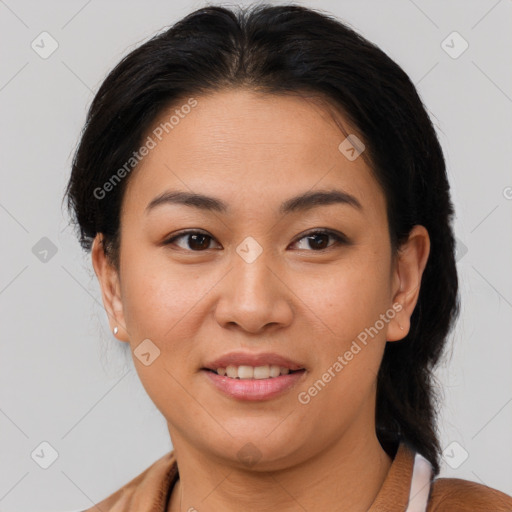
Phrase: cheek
[345,306]
[159,299]
[348,346]
[163,306]
[346,297]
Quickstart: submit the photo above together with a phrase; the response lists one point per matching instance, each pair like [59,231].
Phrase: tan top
[150,491]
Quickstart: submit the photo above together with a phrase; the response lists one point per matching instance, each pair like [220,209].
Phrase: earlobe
[108,279]
[411,261]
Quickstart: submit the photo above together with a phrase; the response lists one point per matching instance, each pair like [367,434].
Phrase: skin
[254,151]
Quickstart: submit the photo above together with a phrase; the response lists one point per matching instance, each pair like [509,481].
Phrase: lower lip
[254,389]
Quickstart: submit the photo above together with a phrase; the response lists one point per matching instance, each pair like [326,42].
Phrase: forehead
[247,144]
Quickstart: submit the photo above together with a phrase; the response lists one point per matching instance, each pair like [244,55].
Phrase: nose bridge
[251,273]
[253,296]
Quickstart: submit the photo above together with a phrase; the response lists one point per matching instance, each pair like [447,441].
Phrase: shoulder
[457,495]
[147,491]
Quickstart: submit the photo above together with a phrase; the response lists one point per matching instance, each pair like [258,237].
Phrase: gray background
[66,380]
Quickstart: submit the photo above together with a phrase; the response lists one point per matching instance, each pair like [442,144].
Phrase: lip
[254,389]
[248,359]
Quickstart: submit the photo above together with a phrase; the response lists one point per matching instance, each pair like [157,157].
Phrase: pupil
[316,245]
[195,238]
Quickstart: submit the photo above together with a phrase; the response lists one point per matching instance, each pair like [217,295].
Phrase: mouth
[246,372]
[251,365]
[251,376]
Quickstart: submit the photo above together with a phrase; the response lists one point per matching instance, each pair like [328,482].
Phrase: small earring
[115,330]
[398,326]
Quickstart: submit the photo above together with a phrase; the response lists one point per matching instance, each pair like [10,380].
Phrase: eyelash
[339,239]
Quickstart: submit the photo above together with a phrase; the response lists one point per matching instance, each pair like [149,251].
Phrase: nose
[254,296]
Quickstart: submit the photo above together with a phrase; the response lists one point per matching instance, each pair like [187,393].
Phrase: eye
[197,241]
[318,240]
[194,240]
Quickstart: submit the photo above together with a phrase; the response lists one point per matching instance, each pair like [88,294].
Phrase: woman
[268,214]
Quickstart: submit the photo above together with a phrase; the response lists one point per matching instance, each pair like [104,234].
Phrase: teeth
[232,371]
[275,371]
[260,372]
[245,372]
[253,372]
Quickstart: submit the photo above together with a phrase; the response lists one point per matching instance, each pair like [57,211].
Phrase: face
[255,273]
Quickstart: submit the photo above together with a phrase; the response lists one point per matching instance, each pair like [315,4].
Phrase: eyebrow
[301,202]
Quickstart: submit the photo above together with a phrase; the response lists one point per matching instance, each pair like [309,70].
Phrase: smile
[253,372]
[254,388]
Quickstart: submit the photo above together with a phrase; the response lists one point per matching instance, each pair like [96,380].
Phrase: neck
[351,472]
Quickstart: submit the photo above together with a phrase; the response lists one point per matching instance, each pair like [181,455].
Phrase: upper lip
[259,359]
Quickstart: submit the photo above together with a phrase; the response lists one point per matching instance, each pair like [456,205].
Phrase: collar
[397,485]
[151,490]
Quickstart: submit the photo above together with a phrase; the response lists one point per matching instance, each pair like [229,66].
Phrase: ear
[108,278]
[410,263]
